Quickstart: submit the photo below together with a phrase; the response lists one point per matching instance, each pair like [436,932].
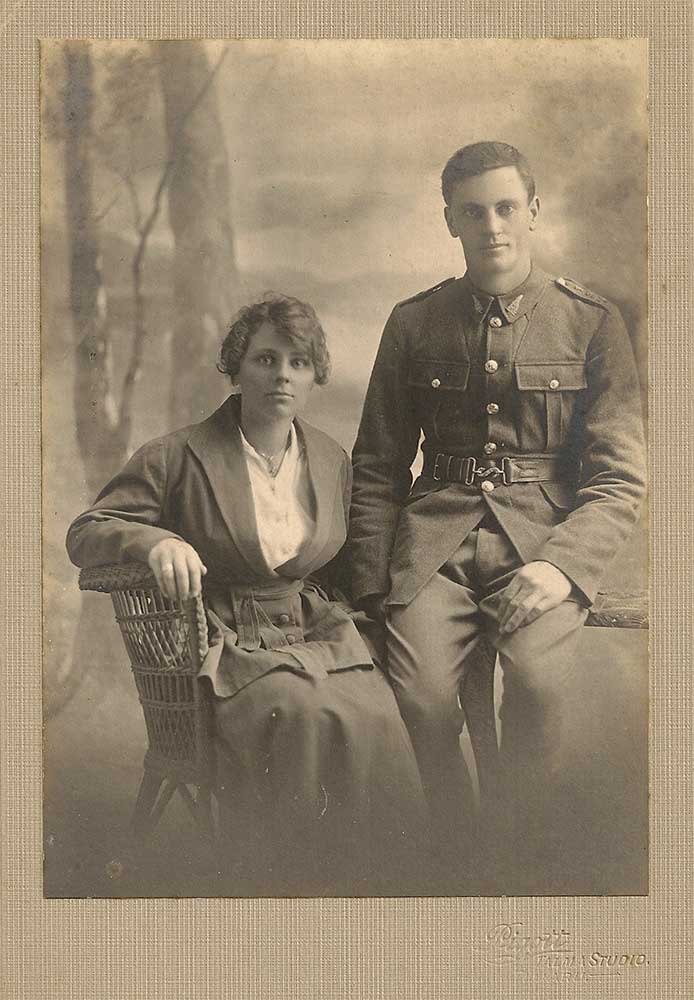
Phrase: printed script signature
[553,953]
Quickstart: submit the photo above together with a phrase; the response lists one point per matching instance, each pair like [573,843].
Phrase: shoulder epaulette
[426,293]
[573,288]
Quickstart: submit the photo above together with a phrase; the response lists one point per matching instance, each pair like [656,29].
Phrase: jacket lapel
[216,443]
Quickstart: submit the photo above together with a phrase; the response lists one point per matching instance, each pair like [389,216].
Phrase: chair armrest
[118,579]
[116,576]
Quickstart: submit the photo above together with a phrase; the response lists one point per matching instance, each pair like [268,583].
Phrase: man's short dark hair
[477,158]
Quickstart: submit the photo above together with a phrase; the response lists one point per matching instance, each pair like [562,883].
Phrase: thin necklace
[274,462]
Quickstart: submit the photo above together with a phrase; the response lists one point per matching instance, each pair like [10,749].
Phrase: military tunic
[545,372]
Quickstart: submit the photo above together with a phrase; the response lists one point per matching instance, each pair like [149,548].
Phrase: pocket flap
[439,374]
[553,376]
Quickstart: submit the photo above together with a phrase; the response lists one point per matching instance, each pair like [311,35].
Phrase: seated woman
[316,766]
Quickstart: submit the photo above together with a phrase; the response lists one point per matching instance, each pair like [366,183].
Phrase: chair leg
[144,805]
[203,811]
[199,807]
[164,799]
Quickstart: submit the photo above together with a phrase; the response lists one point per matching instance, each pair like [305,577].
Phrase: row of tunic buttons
[491,367]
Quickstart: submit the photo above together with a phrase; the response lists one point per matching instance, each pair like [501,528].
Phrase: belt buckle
[435,474]
[471,471]
[504,470]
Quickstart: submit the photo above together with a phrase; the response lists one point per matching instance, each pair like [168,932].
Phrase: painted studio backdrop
[181,180]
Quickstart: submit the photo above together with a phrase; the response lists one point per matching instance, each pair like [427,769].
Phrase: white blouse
[282,502]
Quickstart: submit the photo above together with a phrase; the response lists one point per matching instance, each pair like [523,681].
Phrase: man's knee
[540,659]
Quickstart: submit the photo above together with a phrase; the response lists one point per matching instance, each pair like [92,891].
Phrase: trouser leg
[428,641]
[539,668]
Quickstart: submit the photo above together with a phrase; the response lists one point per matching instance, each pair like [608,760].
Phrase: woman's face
[275,375]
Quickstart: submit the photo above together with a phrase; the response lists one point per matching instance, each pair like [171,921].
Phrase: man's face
[491,216]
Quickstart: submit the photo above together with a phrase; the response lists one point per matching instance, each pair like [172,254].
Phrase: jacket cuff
[138,548]
[584,582]
[364,591]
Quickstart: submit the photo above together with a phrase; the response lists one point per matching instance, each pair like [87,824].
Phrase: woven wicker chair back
[166,642]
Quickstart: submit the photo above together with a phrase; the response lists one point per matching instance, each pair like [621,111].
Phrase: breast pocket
[556,386]
[438,387]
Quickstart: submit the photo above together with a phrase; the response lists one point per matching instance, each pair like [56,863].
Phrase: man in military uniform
[525,389]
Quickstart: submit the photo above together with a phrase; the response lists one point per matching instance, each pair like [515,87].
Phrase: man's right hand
[374,607]
[177,567]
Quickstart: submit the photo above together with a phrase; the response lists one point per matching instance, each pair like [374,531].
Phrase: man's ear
[534,209]
[449,222]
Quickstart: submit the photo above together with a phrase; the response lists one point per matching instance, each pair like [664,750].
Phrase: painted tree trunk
[101,443]
[199,213]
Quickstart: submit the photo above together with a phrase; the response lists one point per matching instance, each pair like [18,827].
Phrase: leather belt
[509,469]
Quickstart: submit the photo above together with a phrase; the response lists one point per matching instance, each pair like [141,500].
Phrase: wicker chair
[166,643]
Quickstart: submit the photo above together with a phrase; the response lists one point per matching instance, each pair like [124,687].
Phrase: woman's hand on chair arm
[177,567]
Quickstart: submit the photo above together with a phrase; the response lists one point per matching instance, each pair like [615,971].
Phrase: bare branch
[100,216]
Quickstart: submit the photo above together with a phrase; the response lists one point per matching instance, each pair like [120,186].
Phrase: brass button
[489,448]
[495,322]
[283,619]
[491,366]
[492,407]
[487,487]
[291,639]
[554,383]
[435,383]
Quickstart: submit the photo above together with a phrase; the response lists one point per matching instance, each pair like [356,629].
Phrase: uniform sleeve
[385,448]
[612,461]
[125,521]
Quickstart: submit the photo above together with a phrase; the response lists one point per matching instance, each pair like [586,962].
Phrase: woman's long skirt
[321,790]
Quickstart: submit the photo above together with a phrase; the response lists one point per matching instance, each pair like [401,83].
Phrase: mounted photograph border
[458,947]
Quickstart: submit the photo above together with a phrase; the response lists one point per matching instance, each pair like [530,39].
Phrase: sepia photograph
[344,373]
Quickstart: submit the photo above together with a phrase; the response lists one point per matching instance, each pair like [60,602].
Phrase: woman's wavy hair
[289,316]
